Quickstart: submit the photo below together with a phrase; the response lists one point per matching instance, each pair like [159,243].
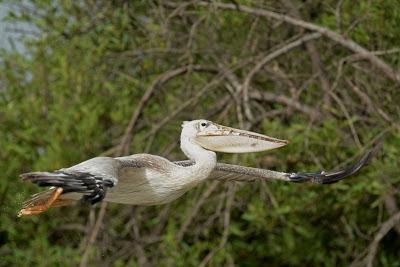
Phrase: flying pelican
[143,179]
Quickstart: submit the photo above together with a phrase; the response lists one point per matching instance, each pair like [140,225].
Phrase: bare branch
[269,58]
[316,61]
[384,229]
[270,97]
[195,210]
[93,234]
[348,43]
[392,209]
[161,80]
[227,218]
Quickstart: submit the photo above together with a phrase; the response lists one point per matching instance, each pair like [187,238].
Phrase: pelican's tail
[42,201]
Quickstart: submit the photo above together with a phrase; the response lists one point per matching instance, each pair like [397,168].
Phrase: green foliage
[71,94]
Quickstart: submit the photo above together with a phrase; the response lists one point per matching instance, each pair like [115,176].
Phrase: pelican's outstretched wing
[229,172]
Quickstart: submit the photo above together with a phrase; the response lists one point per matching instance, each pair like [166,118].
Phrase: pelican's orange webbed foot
[39,204]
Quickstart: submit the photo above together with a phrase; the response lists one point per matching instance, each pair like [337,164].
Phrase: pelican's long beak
[230,140]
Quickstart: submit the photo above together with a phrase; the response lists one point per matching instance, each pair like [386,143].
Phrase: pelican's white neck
[204,159]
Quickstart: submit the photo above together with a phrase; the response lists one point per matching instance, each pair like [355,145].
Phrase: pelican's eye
[203,124]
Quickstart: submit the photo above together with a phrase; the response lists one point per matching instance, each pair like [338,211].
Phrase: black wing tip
[333,177]
[32,176]
[25,176]
[92,187]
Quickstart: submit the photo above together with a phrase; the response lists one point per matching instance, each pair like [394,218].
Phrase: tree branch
[315,56]
[348,43]
[384,229]
[161,80]
[269,58]
[270,97]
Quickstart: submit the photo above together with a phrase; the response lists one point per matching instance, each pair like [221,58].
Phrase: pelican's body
[161,184]
[144,179]
[161,181]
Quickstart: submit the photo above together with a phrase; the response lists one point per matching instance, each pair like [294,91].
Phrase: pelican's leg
[39,208]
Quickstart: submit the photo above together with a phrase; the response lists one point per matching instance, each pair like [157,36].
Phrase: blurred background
[80,79]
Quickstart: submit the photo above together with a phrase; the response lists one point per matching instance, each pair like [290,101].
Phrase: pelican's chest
[146,186]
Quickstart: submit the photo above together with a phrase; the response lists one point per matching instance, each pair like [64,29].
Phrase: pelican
[144,179]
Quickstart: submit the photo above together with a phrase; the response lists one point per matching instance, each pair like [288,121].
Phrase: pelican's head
[212,136]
